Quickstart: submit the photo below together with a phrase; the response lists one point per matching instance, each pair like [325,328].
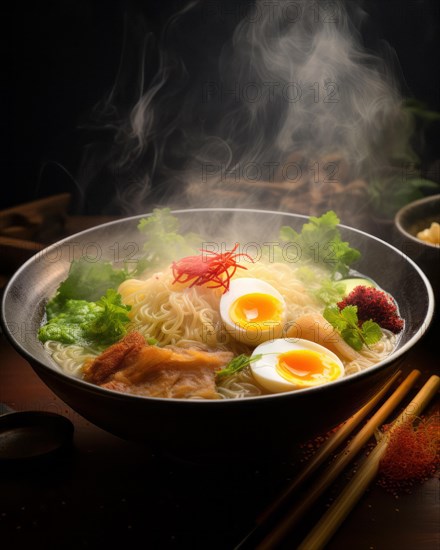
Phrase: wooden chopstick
[287,523]
[333,518]
[329,447]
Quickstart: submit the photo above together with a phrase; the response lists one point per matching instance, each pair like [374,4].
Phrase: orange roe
[412,455]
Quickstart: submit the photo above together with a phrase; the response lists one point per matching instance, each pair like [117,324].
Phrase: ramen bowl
[254,425]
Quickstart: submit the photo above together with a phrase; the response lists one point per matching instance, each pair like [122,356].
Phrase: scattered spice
[374,304]
[208,267]
[310,447]
[412,455]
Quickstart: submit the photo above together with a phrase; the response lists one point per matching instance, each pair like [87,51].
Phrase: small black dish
[412,218]
[33,435]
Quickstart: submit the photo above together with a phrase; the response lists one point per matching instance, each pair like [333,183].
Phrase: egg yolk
[307,368]
[254,311]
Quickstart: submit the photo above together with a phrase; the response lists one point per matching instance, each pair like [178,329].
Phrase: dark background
[63,57]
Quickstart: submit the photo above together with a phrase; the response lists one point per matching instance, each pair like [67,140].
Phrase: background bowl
[262,425]
[411,219]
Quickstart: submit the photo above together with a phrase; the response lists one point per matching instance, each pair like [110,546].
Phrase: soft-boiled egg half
[253,311]
[291,364]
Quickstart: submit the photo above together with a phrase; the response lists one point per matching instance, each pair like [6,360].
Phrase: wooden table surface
[107,491]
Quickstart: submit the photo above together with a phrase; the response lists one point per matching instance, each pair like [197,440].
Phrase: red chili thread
[374,304]
[208,267]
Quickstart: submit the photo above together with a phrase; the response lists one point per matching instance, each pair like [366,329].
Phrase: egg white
[264,369]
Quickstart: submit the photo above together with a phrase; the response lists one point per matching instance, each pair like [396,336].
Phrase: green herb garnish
[237,364]
[320,241]
[306,275]
[346,322]
[110,325]
[329,292]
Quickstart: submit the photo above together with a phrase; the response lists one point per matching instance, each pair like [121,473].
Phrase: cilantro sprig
[111,324]
[237,364]
[329,291]
[346,322]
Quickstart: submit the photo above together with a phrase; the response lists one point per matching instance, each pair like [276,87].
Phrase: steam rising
[292,113]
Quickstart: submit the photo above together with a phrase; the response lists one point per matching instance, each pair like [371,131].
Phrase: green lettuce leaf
[86,281]
[96,324]
[320,242]
[163,242]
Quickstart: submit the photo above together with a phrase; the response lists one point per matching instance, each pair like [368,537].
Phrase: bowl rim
[407,208]
[50,365]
